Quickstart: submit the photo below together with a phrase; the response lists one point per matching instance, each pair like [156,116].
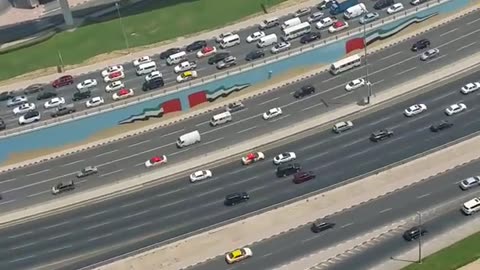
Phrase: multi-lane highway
[438,199]
[133,81]
[89,234]
[125,158]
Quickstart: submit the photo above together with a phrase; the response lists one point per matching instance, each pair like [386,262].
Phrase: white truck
[185,66]
[188,139]
[355,11]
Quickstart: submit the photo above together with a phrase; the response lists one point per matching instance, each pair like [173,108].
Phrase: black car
[218,57]
[63,186]
[440,126]
[414,233]
[81,95]
[255,55]
[32,89]
[167,53]
[320,226]
[196,45]
[381,4]
[2,124]
[304,91]
[288,169]
[235,198]
[380,135]
[301,177]
[312,36]
[421,44]
[89,170]
[4,96]
[46,95]
[153,84]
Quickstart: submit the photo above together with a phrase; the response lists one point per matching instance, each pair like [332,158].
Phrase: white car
[54,102]
[89,83]
[114,86]
[432,53]
[342,126]
[470,87]
[325,22]
[338,26]
[115,76]
[186,76]
[357,83]
[455,108]
[315,17]
[415,109]
[94,102]
[141,60]
[111,69]
[272,113]
[255,36]
[153,75]
[24,108]
[156,160]
[200,175]
[29,117]
[185,66]
[284,157]
[280,47]
[395,8]
[252,157]
[122,94]
[222,36]
[207,51]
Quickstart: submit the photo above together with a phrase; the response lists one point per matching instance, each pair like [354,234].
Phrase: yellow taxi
[238,255]
[187,75]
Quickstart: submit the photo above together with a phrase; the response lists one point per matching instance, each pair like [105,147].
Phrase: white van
[355,11]
[146,68]
[176,58]
[292,22]
[230,41]
[221,118]
[267,40]
[188,139]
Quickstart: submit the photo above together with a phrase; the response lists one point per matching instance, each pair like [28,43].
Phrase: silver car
[432,53]
[18,100]
[280,47]
[369,17]
[470,182]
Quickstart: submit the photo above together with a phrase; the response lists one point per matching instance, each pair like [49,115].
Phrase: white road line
[95,214]
[134,155]
[268,101]
[474,21]
[423,196]
[268,254]
[6,202]
[22,259]
[332,78]
[138,164]
[173,132]
[71,163]
[37,183]
[311,107]
[385,210]
[377,82]
[316,156]
[391,55]
[39,172]
[24,245]
[247,129]
[279,118]
[136,214]
[343,95]
[353,142]
[466,46]
[239,170]
[97,225]
[139,226]
[202,123]
[59,236]
[58,249]
[132,203]
[245,180]
[19,235]
[380,120]
[458,38]
[231,124]
[405,71]
[106,153]
[38,193]
[178,152]
[56,225]
[216,140]
[138,143]
[106,174]
[448,32]
[208,192]
[169,192]
[8,180]
[393,65]
[437,58]
[444,96]
[99,237]
[346,225]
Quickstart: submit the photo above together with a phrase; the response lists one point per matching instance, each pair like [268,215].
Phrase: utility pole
[369,85]
[420,237]
[123,27]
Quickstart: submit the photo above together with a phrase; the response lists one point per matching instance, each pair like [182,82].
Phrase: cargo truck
[340,6]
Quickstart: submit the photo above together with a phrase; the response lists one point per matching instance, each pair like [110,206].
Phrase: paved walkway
[471,266]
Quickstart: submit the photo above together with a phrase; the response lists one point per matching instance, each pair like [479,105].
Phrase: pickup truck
[185,66]
[63,110]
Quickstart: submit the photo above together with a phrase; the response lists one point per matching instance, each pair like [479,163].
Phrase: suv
[414,233]
[32,89]
[235,198]
[63,110]
[227,62]
[301,177]
[320,226]
[4,96]
[381,4]
[46,95]
[62,81]
[218,57]
[153,84]
[288,169]
[2,124]
[29,117]
[63,186]
[269,23]
[381,135]
[253,55]
[304,91]
[89,170]
[81,95]
[440,126]
[421,44]
[342,126]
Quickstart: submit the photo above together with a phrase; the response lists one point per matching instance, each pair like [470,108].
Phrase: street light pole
[420,237]
[123,27]
[369,85]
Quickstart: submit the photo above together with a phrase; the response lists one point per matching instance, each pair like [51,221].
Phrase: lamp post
[123,27]
[419,237]
[369,85]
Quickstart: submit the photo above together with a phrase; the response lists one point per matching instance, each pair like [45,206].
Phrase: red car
[301,177]
[156,160]
[63,81]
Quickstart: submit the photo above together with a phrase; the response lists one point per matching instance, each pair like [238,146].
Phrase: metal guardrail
[217,76]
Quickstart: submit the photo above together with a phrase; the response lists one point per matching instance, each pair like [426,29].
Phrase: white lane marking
[19,235]
[353,142]
[444,96]
[95,214]
[405,71]
[173,132]
[138,164]
[38,193]
[316,156]
[394,65]
[311,107]
[381,120]
[423,196]
[5,202]
[8,180]
[385,210]
[346,225]
[377,82]
[437,58]
[252,190]
[106,174]
[59,236]
[106,153]
[231,124]
[332,78]
[245,180]
[56,225]
[458,38]
[39,172]
[135,214]
[97,225]
[139,226]
[208,192]
[474,21]
[169,192]
[202,123]
[279,118]
[99,237]
[247,129]
[176,153]
[359,153]
[268,101]
[239,170]
[391,55]
[268,254]
[22,259]
[313,145]
[216,140]
[134,155]
[132,203]
[448,32]
[138,143]
[23,246]
[343,95]
[71,163]
[59,248]
[466,46]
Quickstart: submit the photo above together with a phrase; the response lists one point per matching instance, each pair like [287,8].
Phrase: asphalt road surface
[439,200]
[89,234]
[133,81]
[125,158]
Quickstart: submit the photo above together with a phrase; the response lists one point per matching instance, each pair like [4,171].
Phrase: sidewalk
[471,266]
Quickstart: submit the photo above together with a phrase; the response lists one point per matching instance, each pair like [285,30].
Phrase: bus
[296,31]
[345,64]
